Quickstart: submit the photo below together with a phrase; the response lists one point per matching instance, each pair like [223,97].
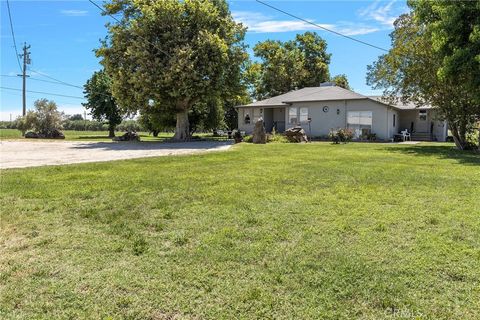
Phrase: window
[292,115]
[247,118]
[360,122]
[303,115]
[422,115]
[394,120]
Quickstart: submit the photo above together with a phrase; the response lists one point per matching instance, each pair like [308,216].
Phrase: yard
[98,136]
[283,231]
[72,135]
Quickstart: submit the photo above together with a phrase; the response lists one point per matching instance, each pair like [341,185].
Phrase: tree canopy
[100,102]
[425,67]
[341,80]
[170,55]
[285,66]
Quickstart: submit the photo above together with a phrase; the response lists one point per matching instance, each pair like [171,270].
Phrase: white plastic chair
[406,135]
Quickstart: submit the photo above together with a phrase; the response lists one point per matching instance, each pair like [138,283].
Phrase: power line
[57,80]
[42,92]
[321,27]
[42,80]
[35,96]
[13,36]
[114,18]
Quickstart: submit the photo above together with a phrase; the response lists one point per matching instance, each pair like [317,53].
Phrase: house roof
[326,93]
[400,105]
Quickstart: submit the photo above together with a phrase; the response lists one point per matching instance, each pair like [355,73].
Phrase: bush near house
[341,136]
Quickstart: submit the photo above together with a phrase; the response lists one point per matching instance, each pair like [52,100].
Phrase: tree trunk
[155,133]
[111,131]
[459,136]
[182,132]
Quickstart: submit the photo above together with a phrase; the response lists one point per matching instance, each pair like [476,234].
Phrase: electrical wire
[13,36]
[42,92]
[321,27]
[57,80]
[114,18]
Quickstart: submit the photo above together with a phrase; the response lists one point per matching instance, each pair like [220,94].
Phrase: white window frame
[293,116]
[303,116]
[358,126]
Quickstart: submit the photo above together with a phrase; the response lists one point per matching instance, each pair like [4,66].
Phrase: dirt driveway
[21,154]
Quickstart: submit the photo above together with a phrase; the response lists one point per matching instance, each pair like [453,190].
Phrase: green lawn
[284,231]
[99,136]
[73,135]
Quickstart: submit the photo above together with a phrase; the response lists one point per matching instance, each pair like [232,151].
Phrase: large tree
[170,55]
[289,65]
[100,101]
[415,69]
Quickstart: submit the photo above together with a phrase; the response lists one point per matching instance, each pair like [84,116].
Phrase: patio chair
[406,135]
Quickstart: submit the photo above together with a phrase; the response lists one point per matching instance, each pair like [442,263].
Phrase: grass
[285,231]
[73,135]
[99,136]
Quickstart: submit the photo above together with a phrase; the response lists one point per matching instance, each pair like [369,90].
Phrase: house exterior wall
[336,117]
[242,126]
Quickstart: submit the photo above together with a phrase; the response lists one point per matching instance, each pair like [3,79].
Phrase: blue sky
[63,34]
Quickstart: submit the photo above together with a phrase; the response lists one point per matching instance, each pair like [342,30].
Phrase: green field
[99,136]
[72,135]
[284,231]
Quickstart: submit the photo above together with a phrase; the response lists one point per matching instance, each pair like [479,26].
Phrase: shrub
[129,125]
[341,136]
[276,138]
[237,136]
[248,139]
[372,137]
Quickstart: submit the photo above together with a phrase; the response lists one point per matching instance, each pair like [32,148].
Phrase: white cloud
[259,23]
[74,13]
[383,14]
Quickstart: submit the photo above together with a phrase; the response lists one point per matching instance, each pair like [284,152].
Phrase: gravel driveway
[21,154]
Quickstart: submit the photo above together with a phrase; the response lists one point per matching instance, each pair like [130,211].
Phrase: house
[328,107]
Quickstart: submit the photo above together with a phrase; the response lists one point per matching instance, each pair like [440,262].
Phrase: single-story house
[328,107]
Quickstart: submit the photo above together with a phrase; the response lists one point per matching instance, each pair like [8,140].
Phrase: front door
[423,125]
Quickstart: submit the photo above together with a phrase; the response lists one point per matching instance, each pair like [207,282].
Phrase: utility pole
[26,60]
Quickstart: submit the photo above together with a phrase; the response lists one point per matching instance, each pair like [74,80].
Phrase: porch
[423,125]
[274,118]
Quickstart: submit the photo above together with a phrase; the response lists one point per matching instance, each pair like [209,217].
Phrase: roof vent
[327,84]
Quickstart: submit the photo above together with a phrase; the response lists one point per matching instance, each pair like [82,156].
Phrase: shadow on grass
[153,145]
[90,138]
[147,138]
[440,151]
